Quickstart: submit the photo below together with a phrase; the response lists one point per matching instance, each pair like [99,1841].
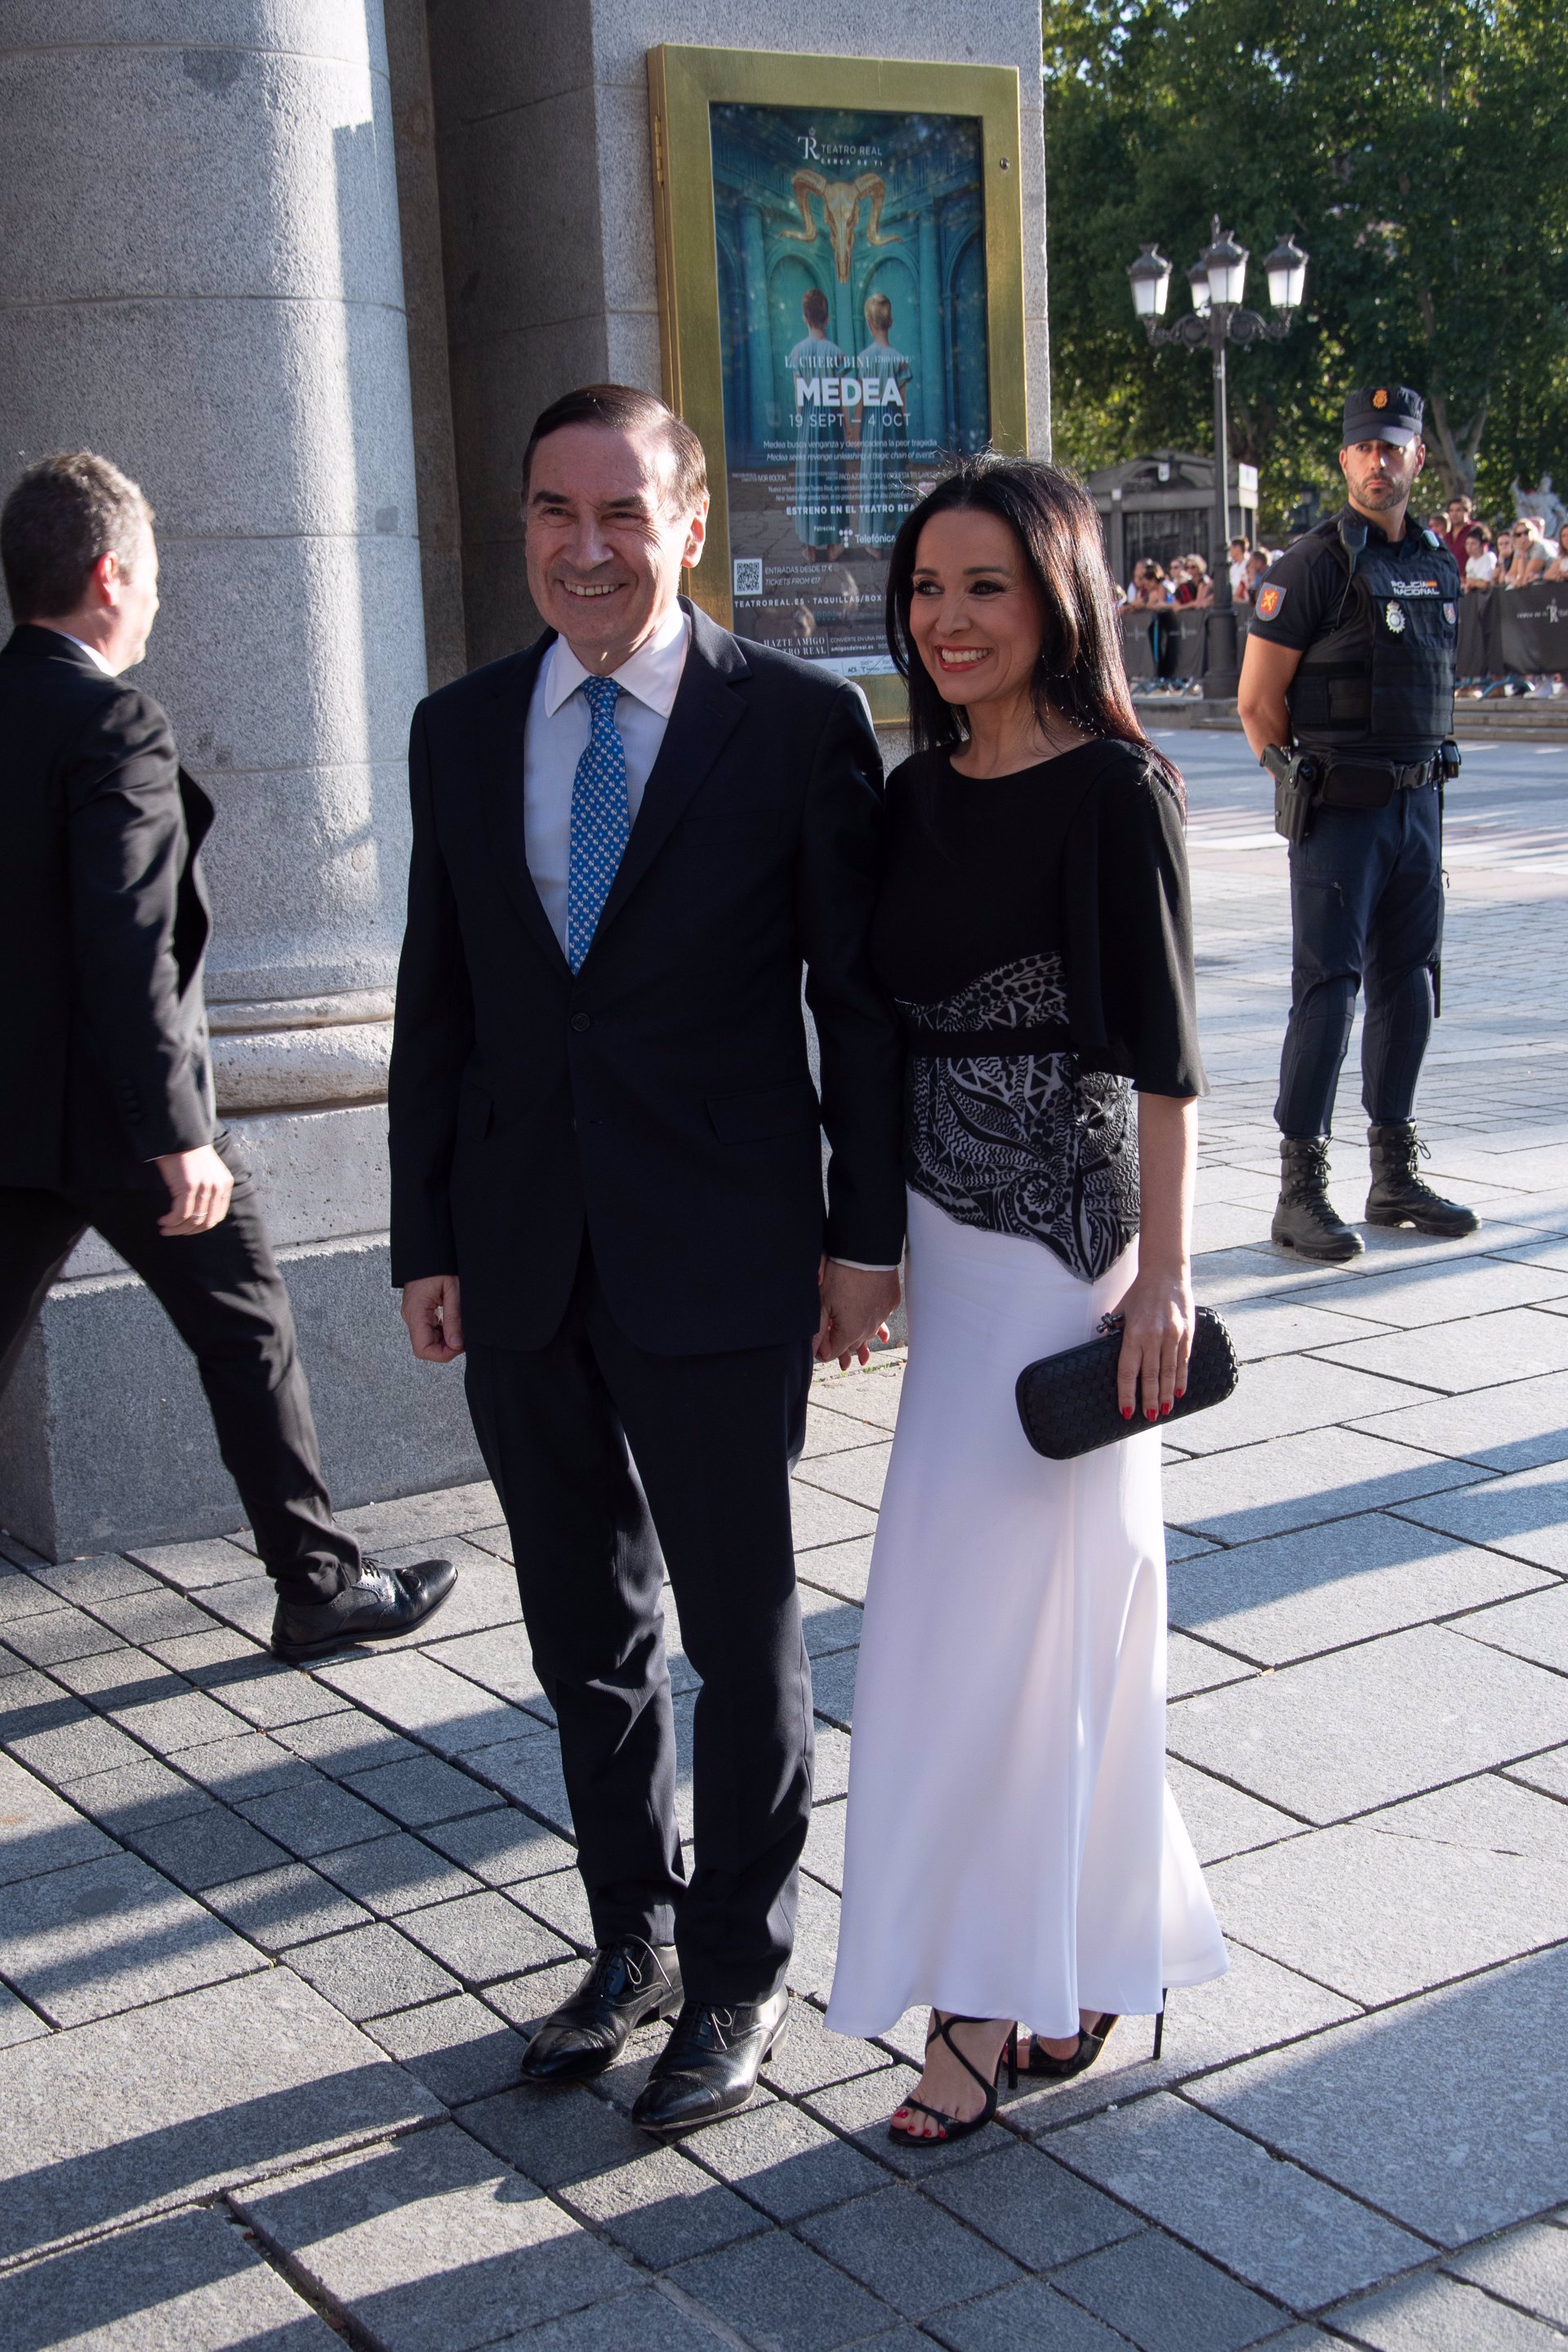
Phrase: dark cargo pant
[1366,904]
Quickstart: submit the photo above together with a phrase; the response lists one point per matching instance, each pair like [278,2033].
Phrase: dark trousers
[1366,903]
[714,1438]
[224,1297]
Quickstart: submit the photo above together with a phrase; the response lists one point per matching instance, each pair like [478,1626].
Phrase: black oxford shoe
[628,1982]
[374,1604]
[709,2066]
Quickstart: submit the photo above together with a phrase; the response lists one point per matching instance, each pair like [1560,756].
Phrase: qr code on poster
[748,575]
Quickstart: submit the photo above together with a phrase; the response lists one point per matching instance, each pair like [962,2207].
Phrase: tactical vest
[1384,668]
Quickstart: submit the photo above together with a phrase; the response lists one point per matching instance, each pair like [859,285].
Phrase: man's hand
[199,1188]
[854,1305]
[433,1310]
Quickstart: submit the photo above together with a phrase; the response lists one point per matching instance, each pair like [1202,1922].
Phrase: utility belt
[1305,781]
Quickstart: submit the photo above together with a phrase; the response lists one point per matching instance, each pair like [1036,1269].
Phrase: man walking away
[1350,665]
[107,1104]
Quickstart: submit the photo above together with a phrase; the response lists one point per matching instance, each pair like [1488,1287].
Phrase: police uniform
[1375,622]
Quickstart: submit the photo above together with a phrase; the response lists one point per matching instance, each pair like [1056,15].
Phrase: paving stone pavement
[271,1943]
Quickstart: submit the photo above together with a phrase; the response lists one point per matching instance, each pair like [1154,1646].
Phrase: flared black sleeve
[1127,921]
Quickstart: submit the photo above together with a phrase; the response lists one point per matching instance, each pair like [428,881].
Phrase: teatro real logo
[814,150]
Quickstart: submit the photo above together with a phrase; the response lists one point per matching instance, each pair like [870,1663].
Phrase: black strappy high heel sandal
[1092,2041]
[954,2126]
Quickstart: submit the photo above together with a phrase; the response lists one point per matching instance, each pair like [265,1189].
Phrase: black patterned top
[1035,931]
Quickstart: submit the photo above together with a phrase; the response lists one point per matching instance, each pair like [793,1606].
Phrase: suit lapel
[706,711]
[501,771]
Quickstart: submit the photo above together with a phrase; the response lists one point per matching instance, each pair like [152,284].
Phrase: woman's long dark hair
[1080,675]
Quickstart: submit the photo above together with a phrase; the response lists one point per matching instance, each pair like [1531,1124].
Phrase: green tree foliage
[1418,149]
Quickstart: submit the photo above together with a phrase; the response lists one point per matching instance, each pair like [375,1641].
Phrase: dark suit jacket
[663,1098]
[104,924]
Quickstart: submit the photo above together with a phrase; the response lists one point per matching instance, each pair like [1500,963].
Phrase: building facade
[307,270]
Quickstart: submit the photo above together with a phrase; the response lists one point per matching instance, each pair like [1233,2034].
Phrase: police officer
[1347,696]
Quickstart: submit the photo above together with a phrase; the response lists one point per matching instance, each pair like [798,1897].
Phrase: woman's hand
[1157,1332]
[1157,1327]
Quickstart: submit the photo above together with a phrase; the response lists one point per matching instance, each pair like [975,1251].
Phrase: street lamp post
[1219,318]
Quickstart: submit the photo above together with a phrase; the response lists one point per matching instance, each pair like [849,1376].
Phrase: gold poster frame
[683,83]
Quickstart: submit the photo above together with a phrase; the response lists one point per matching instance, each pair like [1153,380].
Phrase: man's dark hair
[64,513]
[623,409]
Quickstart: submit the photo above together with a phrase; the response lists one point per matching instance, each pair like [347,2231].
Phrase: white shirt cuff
[858,1265]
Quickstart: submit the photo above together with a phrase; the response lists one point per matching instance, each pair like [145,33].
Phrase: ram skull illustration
[841,202]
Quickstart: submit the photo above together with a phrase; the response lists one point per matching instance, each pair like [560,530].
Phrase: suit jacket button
[580,1021]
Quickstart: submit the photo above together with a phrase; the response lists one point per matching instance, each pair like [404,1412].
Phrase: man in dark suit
[608,1187]
[106,1109]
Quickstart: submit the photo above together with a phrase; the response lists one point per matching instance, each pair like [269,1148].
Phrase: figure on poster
[818,366]
[881,429]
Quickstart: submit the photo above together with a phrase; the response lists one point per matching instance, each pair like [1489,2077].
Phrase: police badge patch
[1268,603]
[1449,614]
[1395,617]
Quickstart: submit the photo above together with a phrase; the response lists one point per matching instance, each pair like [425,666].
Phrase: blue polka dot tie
[601,821]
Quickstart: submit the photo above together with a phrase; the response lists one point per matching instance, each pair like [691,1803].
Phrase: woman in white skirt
[1012,1851]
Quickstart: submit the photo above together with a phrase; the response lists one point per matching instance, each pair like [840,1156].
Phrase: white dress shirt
[558,724]
[90,651]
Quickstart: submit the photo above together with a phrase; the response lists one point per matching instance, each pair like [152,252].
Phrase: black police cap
[1384,412]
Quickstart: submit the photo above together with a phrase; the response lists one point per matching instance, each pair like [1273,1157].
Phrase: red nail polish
[1126,1412]
[1164,1409]
[1150,1414]
[1180,1394]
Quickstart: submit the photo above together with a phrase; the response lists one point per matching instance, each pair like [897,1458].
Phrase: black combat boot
[1306,1219]
[1400,1197]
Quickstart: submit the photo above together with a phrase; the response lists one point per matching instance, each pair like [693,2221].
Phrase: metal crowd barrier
[1521,632]
[1517,631]
[1171,642]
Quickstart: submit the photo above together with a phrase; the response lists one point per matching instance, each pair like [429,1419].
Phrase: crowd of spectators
[1506,554]
[1511,555]
[1517,554]
[1153,587]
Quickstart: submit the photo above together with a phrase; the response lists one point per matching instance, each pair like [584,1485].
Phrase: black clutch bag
[1069,1406]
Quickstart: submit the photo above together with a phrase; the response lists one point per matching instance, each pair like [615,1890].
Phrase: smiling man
[607,1191]
[1347,694]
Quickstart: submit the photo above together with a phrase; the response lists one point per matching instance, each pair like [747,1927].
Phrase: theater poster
[841,301]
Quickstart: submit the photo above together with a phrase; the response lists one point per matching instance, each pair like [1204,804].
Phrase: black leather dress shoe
[628,1982]
[709,2066]
[374,1604]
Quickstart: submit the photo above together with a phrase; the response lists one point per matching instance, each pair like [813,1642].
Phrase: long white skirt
[1012,1849]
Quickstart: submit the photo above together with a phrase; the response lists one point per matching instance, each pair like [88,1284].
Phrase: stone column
[200,278]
